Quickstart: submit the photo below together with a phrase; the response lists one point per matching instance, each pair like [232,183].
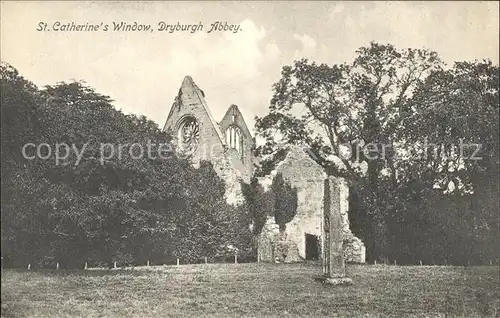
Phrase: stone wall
[232,178]
[190,101]
[308,177]
[243,163]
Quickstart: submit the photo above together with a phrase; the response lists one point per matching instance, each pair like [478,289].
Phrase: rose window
[189,135]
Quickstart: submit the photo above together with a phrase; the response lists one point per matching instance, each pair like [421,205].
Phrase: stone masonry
[308,177]
[228,146]
[230,164]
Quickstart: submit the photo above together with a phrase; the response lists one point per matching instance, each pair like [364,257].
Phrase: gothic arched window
[234,139]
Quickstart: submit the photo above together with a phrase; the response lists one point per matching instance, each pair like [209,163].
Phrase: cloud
[308,47]
[272,52]
[456,30]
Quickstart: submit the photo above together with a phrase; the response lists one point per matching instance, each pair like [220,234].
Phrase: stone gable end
[302,172]
[190,103]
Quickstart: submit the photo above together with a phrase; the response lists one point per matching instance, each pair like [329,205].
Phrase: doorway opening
[312,247]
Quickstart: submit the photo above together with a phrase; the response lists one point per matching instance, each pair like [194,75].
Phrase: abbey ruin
[228,146]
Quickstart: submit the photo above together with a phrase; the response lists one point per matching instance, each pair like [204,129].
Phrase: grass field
[252,290]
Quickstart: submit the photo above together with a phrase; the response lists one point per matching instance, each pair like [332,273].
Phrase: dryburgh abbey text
[162,26]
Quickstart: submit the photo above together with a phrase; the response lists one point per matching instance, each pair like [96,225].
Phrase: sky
[142,71]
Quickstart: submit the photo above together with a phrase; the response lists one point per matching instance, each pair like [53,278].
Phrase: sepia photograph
[250,158]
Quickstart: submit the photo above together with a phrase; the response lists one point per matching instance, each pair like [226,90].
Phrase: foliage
[280,201]
[374,121]
[285,201]
[260,203]
[101,200]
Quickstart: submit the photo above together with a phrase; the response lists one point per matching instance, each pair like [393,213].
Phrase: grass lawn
[252,290]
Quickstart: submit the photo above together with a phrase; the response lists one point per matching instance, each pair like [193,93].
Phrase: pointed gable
[191,101]
[200,137]
[233,116]
[238,139]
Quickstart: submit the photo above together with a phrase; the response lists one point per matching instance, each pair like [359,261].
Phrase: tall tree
[453,135]
[348,115]
[285,201]
[259,203]
[124,204]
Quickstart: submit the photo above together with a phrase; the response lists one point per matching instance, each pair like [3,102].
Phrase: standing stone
[333,229]
[333,253]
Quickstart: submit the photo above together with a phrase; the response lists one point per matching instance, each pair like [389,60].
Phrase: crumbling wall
[190,102]
[308,177]
[232,179]
[275,246]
